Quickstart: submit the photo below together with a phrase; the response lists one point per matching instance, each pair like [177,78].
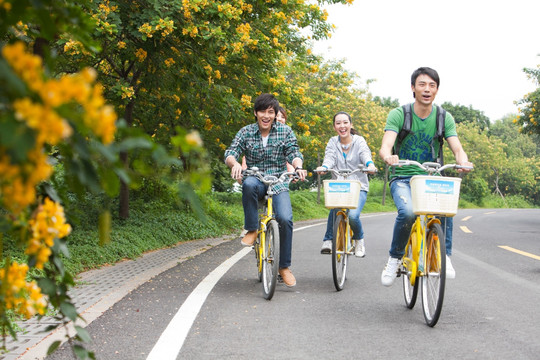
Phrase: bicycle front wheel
[340,245]
[270,261]
[434,279]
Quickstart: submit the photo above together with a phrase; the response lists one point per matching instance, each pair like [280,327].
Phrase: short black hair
[425,71]
[265,101]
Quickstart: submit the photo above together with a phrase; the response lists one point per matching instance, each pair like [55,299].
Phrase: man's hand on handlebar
[468,166]
[391,159]
[236,172]
[301,174]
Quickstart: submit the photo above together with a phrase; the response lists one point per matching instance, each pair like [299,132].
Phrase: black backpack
[406,130]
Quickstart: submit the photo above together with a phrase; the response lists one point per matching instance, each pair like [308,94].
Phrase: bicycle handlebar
[344,172]
[432,167]
[271,179]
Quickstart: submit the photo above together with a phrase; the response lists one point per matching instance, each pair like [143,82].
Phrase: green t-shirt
[417,145]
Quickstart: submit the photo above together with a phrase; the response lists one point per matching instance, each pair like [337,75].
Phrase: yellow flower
[169,62]
[245,101]
[141,54]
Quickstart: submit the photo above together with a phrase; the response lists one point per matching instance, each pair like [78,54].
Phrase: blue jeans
[354,220]
[252,191]
[401,193]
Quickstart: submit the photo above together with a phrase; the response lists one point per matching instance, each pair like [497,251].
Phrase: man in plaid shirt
[268,145]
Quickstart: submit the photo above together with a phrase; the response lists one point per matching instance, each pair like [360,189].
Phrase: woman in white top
[348,150]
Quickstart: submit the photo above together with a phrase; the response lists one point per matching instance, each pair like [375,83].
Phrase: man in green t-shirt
[416,146]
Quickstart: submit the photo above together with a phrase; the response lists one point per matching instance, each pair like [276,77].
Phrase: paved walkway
[97,291]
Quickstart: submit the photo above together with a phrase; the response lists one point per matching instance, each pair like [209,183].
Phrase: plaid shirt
[272,159]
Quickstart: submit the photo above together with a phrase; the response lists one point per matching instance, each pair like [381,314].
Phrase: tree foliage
[529,117]
[464,114]
[387,102]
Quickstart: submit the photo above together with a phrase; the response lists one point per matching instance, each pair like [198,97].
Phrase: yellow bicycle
[433,197]
[267,245]
[341,195]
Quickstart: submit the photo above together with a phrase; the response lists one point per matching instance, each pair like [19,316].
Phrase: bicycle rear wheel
[434,279]
[340,251]
[270,262]
[410,292]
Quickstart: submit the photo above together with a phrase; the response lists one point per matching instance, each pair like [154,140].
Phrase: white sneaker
[359,248]
[389,273]
[450,272]
[326,247]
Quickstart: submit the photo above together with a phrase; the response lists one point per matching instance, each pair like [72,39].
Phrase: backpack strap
[405,129]
[439,134]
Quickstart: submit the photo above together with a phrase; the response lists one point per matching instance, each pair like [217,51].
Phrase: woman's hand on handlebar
[371,169]
[321,170]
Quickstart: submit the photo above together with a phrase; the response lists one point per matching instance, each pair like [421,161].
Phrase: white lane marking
[172,339]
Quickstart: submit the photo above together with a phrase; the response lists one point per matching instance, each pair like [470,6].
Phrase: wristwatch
[298,168]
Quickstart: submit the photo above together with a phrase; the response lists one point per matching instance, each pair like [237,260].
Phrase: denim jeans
[354,220]
[401,193]
[252,191]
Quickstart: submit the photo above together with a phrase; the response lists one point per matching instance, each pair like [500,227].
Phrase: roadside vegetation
[164,222]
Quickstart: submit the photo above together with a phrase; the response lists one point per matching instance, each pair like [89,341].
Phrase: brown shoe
[287,276]
[249,238]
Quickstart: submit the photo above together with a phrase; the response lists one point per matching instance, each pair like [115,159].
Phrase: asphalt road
[490,309]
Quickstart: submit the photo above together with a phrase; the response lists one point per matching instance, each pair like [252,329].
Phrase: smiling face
[425,89]
[342,125]
[265,118]
[280,117]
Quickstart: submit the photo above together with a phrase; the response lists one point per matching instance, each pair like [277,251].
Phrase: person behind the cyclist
[268,145]
[348,150]
[416,146]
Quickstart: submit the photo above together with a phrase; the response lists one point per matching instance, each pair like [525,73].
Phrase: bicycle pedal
[279,279]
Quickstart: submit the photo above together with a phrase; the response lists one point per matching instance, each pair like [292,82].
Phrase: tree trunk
[124,188]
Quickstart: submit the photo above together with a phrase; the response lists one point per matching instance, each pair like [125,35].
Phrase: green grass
[163,223]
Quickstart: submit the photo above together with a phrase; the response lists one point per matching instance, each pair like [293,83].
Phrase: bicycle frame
[348,230]
[264,218]
[417,238]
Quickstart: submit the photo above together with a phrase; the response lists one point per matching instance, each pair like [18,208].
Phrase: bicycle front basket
[341,194]
[435,195]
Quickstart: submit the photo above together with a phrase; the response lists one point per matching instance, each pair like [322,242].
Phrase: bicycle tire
[340,251]
[434,279]
[271,260]
[410,292]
